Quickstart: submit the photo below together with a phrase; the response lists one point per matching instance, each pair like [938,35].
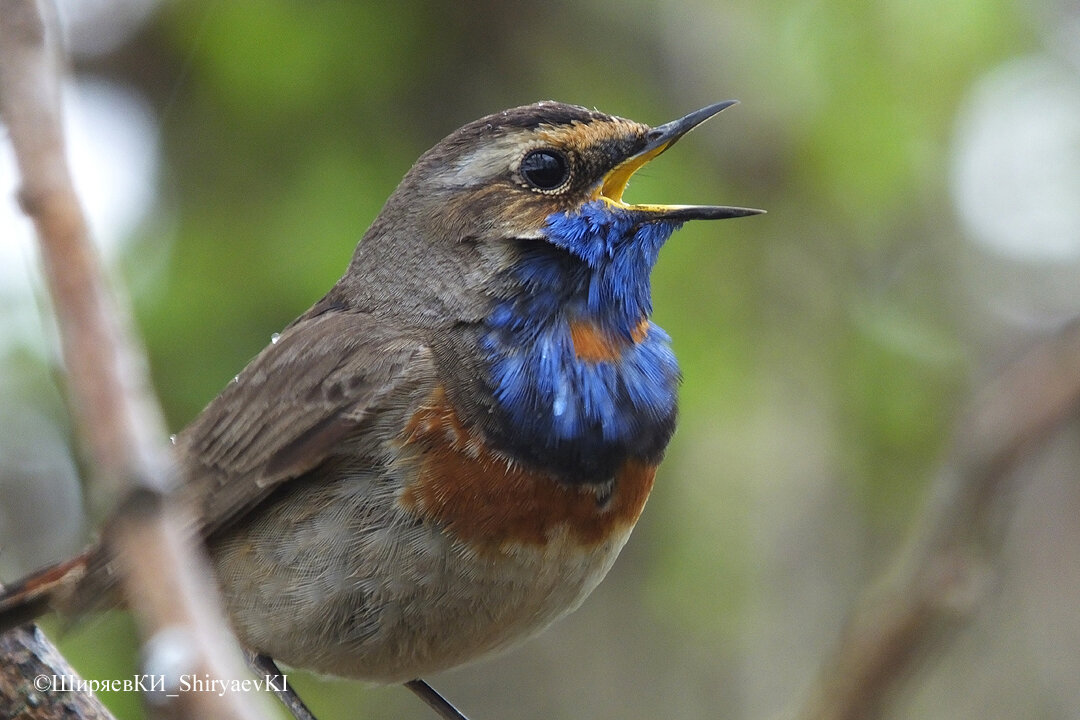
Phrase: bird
[446,453]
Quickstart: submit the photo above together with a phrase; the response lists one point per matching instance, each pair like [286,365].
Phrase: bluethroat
[447,452]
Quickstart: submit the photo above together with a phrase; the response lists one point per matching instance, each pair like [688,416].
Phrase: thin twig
[163,576]
[434,700]
[944,571]
[266,669]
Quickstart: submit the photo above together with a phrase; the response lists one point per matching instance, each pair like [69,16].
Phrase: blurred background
[920,162]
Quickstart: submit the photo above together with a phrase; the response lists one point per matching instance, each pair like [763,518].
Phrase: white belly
[355,586]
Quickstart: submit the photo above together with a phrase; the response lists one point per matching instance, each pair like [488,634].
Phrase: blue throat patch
[579,418]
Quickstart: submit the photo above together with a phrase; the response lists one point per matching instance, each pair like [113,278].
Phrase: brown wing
[293,407]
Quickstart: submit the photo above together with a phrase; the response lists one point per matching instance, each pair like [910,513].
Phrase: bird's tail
[41,591]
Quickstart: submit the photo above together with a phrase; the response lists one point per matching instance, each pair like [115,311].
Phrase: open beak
[659,139]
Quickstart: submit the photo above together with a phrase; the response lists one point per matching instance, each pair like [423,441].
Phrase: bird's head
[507,174]
[543,179]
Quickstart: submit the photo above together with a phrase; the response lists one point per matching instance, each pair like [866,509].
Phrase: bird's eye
[545,169]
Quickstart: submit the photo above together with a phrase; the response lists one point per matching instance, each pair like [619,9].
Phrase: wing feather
[299,403]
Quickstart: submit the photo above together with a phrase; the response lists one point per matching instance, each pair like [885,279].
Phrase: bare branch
[33,679]
[108,384]
[943,572]
[163,575]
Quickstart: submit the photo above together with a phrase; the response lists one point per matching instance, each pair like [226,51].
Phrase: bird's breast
[484,499]
[579,380]
[578,399]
